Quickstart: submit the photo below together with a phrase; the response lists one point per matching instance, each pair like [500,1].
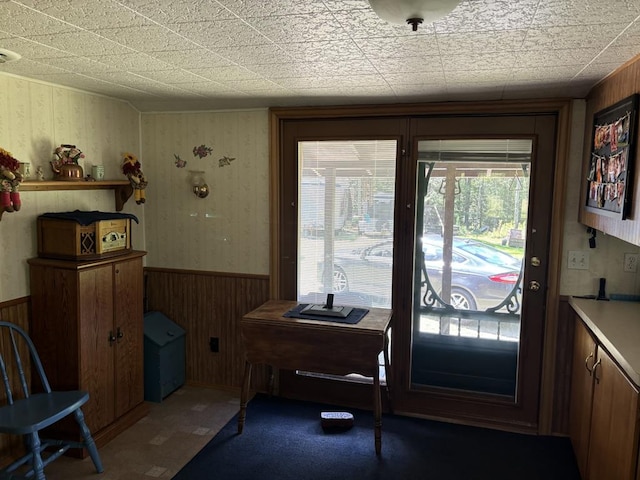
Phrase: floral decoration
[8,161]
[180,163]
[10,179]
[225,161]
[68,154]
[202,151]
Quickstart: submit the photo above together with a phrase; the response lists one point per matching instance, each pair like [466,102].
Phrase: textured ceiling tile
[31,49]
[475,92]
[253,44]
[269,90]
[323,51]
[584,12]
[249,9]
[480,42]
[188,59]
[80,43]
[496,75]
[487,61]
[30,67]
[178,11]
[336,5]
[173,76]
[226,74]
[560,73]
[131,62]
[314,69]
[399,65]
[374,91]
[299,28]
[146,38]
[488,15]
[419,89]
[87,83]
[409,46]
[223,33]
[434,77]
[253,54]
[207,88]
[257,84]
[590,36]
[137,80]
[20,20]
[331,82]
[88,14]
[618,54]
[79,64]
[595,72]
[545,58]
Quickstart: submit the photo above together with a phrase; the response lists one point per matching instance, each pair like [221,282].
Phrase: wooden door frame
[559,107]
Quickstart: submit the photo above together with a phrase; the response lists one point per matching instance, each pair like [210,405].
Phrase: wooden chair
[26,414]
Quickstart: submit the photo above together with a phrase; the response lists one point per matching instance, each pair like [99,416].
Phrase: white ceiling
[163,55]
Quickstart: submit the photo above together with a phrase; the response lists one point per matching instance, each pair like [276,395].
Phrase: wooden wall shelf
[122,189]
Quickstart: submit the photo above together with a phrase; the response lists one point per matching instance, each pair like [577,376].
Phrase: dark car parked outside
[481,275]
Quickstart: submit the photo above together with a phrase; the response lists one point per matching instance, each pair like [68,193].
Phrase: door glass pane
[346,196]
[471,215]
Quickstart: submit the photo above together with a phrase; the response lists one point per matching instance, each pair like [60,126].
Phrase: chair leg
[36,458]
[90,445]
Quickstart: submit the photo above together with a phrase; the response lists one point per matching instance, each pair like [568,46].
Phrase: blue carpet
[283,440]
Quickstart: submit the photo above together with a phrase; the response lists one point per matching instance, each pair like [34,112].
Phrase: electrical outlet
[578,260]
[631,262]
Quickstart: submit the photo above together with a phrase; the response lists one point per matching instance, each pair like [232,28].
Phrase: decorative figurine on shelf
[132,169]
[10,179]
[40,174]
[65,164]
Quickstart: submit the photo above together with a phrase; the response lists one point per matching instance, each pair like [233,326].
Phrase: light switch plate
[630,262]
[578,260]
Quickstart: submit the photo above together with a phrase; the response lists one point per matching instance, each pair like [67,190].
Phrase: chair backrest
[13,341]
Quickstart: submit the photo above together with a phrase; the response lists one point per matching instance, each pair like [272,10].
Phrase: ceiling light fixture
[8,56]
[413,12]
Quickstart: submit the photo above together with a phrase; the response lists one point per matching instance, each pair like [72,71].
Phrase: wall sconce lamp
[200,187]
[413,12]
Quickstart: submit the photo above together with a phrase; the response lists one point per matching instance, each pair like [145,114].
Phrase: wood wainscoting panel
[15,311]
[209,305]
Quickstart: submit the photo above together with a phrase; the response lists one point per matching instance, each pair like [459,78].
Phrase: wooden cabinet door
[96,351]
[613,449]
[584,351]
[128,324]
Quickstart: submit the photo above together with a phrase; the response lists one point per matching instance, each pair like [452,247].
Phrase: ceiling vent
[8,56]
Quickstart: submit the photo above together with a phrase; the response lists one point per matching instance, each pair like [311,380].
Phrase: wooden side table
[321,346]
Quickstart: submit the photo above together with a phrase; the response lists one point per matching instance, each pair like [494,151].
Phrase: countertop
[616,325]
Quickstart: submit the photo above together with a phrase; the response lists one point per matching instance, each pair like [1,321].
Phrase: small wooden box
[67,239]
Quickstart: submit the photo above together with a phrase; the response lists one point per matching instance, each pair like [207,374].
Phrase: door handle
[534,286]
[595,366]
[586,363]
[535,262]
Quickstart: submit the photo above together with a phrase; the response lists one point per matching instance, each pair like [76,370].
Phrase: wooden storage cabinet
[87,323]
[604,414]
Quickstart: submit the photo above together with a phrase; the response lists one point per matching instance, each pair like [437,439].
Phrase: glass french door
[444,219]
[471,218]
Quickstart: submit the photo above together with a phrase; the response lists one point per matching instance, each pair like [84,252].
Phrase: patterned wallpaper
[34,119]
[228,231]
